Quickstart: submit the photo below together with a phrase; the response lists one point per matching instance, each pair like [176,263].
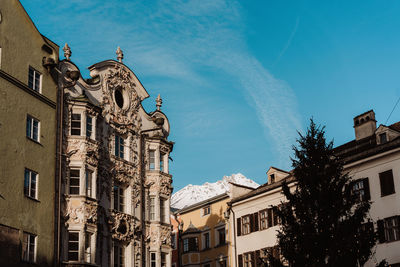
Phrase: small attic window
[119,99]
[272,178]
[367,118]
[357,122]
[383,138]
[362,121]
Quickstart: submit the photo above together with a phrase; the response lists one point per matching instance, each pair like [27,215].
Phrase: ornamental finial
[158,102]
[120,54]
[67,51]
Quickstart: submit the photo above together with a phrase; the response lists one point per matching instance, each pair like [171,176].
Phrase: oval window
[119,99]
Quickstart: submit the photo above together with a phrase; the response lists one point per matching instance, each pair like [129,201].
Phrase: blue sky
[239,78]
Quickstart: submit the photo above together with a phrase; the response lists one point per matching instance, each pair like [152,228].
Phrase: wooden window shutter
[367,195]
[381,231]
[258,259]
[251,222]
[255,221]
[253,259]
[239,226]
[275,215]
[240,260]
[269,211]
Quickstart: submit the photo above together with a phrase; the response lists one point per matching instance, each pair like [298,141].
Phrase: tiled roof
[395,126]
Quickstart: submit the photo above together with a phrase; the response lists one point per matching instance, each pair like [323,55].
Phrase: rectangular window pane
[33,185]
[387,184]
[152,160]
[75,124]
[162,210]
[89,180]
[29,127]
[30,183]
[162,155]
[153,259]
[119,146]
[88,126]
[32,128]
[152,209]
[74,182]
[73,246]
[26,182]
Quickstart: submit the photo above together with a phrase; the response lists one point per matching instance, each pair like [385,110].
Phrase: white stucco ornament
[67,51]
[120,54]
[158,102]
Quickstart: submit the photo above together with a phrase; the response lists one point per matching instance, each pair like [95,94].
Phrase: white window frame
[30,128]
[119,151]
[165,254]
[203,238]
[90,182]
[246,225]
[34,86]
[91,124]
[76,121]
[121,254]
[152,159]
[75,178]
[205,211]
[152,209]
[163,210]
[121,207]
[217,241]
[89,247]
[28,175]
[153,262]
[28,247]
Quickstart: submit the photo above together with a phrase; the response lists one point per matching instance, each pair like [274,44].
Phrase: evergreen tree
[323,222]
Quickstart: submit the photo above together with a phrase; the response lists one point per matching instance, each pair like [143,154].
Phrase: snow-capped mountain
[192,194]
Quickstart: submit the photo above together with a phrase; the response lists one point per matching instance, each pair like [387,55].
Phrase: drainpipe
[234,233]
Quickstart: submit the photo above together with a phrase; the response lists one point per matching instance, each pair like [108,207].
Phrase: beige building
[254,221]
[115,181]
[205,238]
[28,97]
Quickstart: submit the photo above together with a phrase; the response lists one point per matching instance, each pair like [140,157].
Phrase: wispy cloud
[179,39]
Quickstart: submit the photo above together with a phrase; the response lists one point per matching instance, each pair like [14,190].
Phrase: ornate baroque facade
[115,186]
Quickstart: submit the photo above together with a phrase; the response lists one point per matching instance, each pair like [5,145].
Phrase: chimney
[364,125]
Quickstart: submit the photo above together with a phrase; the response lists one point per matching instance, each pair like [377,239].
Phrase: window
[152,209]
[152,159]
[162,210]
[32,128]
[190,244]
[272,178]
[221,236]
[247,259]
[88,247]
[73,246]
[30,184]
[392,229]
[173,241]
[75,124]
[74,179]
[263,219]
[118,198]
[206,210]
[162,155]
[89,182]
[206,240]
[387,184]
[119,146]
[119,255]
[246,225]
[89,126]
[163,259]
[153,259]
[360,188]
[34,79]
[382,138]
[272,217]
[29,247]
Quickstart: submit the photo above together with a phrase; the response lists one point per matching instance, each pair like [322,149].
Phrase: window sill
[33,140]
[31,198]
